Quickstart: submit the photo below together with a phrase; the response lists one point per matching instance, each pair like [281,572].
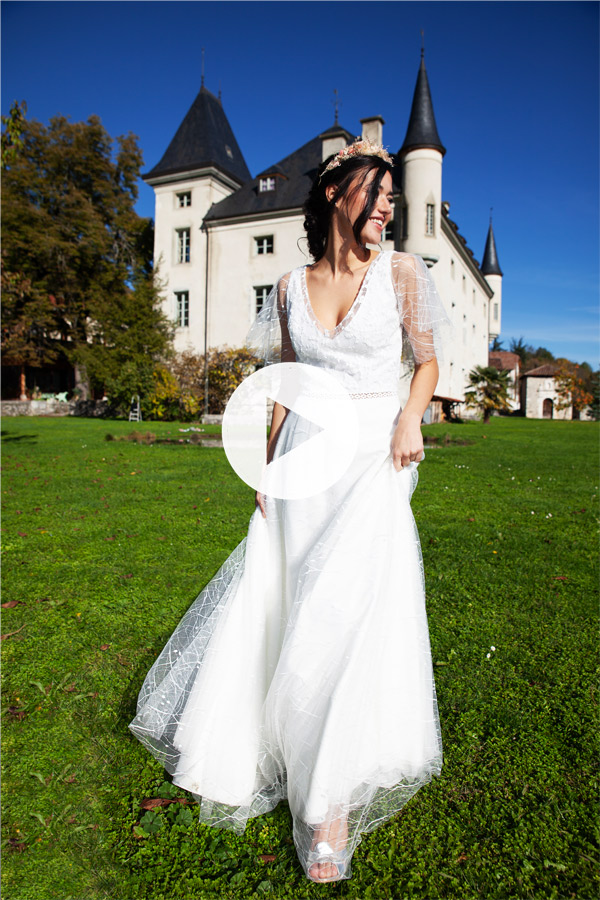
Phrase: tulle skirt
[303,669]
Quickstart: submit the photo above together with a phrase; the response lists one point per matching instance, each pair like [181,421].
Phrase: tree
[27,315]
[70,230]
[571,388]
[594,406]
[12,136]
[496,345]
[134,339]
[488,390]
[523,350]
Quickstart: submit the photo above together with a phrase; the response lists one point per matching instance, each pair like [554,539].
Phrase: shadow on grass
[22,438]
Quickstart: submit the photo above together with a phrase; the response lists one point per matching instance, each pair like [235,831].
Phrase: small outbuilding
[539,395]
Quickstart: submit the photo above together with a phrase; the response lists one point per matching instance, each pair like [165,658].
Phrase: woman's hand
[407,441]
[260,502]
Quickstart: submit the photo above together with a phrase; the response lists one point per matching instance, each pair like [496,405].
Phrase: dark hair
[317,209]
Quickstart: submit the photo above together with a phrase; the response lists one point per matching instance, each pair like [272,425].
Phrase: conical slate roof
[204,138]
[422,130]
[490,264]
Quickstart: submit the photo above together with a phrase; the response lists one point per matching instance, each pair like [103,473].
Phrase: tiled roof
[546,371]
[204,138]
[504,359]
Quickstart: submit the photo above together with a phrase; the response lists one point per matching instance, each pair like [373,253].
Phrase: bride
[303,669]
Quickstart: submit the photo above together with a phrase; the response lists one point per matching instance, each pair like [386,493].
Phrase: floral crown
[360,147]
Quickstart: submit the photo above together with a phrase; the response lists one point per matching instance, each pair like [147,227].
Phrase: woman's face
[353,204]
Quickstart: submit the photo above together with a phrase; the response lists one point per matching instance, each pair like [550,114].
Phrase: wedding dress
[303,669]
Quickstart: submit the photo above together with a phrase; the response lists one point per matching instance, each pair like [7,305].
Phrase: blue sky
[514,86]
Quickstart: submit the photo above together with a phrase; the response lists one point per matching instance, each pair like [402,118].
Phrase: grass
[106,544]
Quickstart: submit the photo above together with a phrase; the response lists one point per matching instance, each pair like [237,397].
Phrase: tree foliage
[78,255]
[12,136]
[179,387]
[488,390]
[571,387]
[529,356]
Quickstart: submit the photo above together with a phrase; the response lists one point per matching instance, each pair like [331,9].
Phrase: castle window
[473,295]
[266,184]
[264,244]
[451,268]
[495,312]
[228,151]
[182,300]
[184,199]
[183,245]
[430,218]
[464,282]
[260,295]
[388,231]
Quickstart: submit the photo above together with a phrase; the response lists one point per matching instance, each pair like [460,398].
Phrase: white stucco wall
[236,269]
[422,184]
[176,276]
[495,313]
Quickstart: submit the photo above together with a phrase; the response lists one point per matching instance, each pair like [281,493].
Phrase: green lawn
[106,544]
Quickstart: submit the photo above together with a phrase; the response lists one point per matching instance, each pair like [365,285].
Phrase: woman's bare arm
[407,441]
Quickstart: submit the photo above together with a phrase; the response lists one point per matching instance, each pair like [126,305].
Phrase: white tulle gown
[303,669]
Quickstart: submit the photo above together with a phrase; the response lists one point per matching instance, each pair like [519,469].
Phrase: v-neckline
[332,332]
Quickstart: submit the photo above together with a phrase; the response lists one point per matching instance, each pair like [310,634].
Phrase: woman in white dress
[303,669]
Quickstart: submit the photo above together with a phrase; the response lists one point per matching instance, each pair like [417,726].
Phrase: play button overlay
[316,442]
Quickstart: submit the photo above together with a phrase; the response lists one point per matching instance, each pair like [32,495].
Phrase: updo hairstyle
[318,209]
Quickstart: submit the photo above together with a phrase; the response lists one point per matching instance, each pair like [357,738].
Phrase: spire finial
[336,105]
[220,95]
[202,78]
[491,210]
[422,44]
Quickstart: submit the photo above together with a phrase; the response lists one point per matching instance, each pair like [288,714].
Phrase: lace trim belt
[363,395]
[360,395]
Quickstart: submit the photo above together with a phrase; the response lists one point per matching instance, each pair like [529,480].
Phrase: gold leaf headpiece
[360,147]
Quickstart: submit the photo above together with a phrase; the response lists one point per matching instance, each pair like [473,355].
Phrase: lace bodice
[396,314]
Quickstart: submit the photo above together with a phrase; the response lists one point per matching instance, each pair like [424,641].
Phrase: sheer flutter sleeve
[426,328]
[268,337]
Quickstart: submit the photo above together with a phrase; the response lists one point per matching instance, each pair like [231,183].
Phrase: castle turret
[202,165]
[490,268]
[421,155]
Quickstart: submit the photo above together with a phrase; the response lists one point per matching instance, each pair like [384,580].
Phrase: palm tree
[488,390]
[496,345]
[523,350]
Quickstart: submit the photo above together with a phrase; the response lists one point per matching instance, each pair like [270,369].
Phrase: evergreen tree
[70,231]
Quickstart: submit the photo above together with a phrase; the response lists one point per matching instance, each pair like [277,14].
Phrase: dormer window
[266,184]
[184,199]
